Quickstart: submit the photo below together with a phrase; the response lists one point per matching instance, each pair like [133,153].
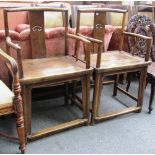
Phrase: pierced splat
[36,19]
[143,25]
[99,27]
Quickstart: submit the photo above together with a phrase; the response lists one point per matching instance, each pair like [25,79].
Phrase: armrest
[148,39]
[91,39]
[19,55]
[78,38]
[137,35]
[87,48]
[11,61]
[12,45]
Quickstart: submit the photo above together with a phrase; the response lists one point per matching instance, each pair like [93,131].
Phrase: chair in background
[145,10]
[11,102]
[117,20]
[44,71]
[143,25]
[113,63]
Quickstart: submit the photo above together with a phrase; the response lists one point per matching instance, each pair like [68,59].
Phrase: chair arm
[137,35]
[11,61]
[12,45]
[78,38]
[19,54]
[87,48]
[91,39]
[148,39]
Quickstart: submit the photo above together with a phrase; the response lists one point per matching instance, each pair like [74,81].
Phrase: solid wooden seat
[58,67]
[111,60]
[6,97]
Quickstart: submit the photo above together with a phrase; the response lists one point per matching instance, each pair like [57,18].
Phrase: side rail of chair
[148,40]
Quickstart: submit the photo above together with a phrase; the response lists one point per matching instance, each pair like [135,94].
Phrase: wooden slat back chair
[114,63]
[44,72]
[11,102]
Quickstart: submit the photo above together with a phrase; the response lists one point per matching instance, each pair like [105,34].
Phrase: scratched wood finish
[11,102]
[113,63]
[44,72]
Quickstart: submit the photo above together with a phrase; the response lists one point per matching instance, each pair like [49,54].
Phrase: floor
[130,133]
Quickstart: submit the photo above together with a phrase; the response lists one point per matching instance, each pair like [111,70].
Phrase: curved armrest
[148,39]
[91,39]
[12,45]
[11,61]
[19,55]
[87,48]
[137,35]
[78,38]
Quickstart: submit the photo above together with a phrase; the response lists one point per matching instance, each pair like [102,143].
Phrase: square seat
[117,60]
[58,67]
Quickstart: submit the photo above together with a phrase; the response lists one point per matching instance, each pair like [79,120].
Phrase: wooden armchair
[141,24]
[113,63]
[11,102]
[42,71]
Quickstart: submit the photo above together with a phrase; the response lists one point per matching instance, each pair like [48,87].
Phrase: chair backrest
[143,25]
[100,22]
[37,28]
[145,10]
[86,19]
[114,18]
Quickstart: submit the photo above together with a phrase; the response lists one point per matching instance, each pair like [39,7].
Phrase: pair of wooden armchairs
[44,72]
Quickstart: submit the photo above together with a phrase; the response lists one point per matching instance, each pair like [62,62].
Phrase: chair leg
[129,82]
[74,85]
[86,97]
[66,93]
[96,97]
[18,107]
[115,85]
[26,91]
[21,133]
[151,98]
[141,88]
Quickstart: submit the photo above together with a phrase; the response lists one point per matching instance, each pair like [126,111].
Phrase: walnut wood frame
[100,72]
[17,101]
[27,86]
